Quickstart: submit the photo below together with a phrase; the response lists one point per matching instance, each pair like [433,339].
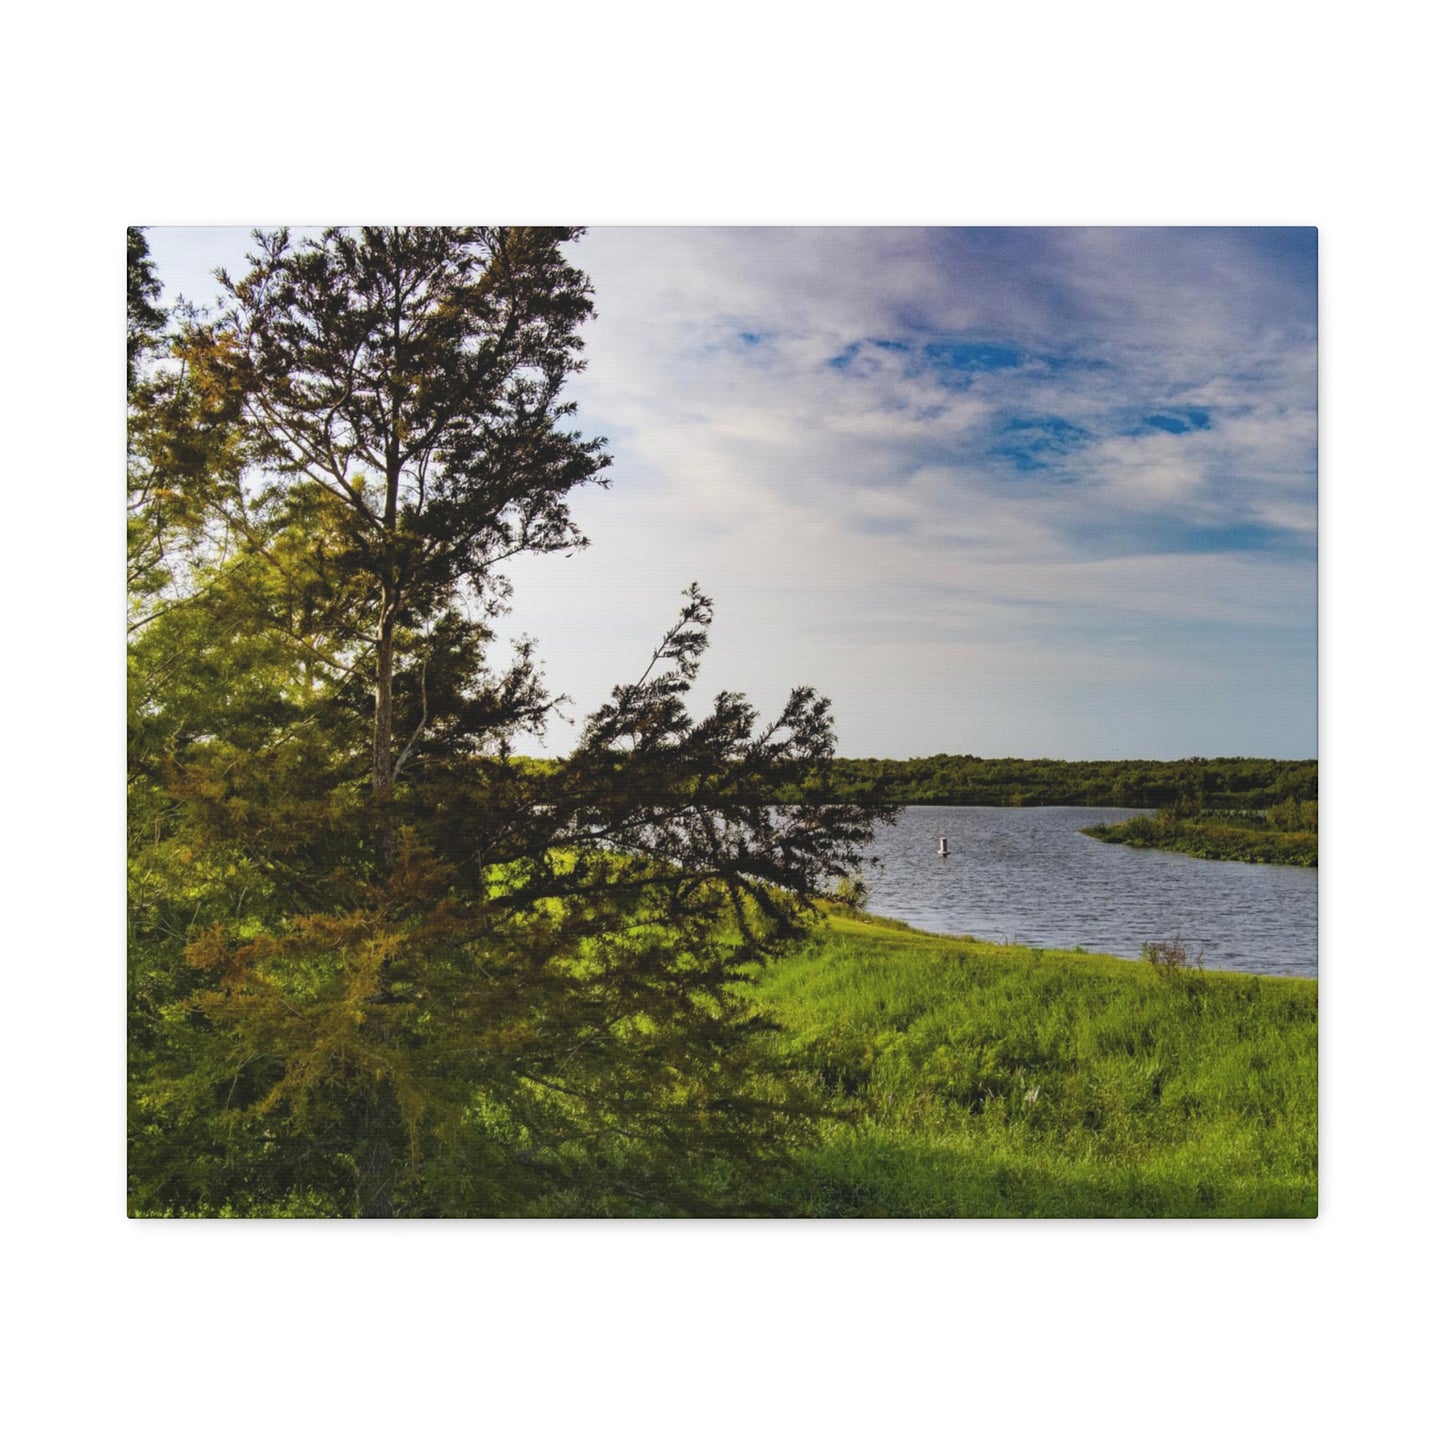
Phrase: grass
[1286,834]
[970,1079]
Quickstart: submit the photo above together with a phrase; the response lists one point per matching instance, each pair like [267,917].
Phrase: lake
[1027,875]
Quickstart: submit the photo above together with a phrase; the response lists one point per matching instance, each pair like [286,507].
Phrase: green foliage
[143,318]
[184,449]
[970,1079]
[536,1008]
[408,381]
[961,781]
[1287,833]
[377,967]
[1294,815]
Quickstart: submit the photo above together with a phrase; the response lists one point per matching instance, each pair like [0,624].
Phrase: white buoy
[943,847]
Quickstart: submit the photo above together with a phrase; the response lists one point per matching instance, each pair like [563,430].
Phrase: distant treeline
[950,779]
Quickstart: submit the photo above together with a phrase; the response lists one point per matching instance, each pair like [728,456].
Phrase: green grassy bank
[1285,834]
[976,1080]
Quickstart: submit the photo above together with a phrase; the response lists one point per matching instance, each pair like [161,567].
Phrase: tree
[185,447]
[405,383]
[390,968]
[143,318]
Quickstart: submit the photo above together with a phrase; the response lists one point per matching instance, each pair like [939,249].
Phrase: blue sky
[1041,492]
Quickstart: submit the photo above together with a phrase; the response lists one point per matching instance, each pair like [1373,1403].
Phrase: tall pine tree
[407,380]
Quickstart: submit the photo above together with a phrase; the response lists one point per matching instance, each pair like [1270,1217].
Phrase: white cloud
[877,500]
[892,527]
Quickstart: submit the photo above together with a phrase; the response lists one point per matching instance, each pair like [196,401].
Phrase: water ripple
[1029,876]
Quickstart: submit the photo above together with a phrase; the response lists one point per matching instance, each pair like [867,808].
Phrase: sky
[1031,492]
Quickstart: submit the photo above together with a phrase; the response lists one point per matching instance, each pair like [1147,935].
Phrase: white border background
[1247,113]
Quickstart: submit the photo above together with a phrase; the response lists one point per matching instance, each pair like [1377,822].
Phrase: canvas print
[722,722]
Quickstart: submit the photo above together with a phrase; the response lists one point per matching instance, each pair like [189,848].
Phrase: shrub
[1169,958]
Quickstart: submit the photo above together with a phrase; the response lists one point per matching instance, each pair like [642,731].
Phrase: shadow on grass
[879,1179]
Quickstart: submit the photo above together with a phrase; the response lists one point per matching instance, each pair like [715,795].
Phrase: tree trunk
[374,1158]
[382,786]
[381,736]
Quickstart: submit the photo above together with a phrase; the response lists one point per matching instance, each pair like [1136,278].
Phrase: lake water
[1027,875]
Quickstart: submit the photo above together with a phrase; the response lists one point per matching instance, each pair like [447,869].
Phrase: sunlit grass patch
[976,1079]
